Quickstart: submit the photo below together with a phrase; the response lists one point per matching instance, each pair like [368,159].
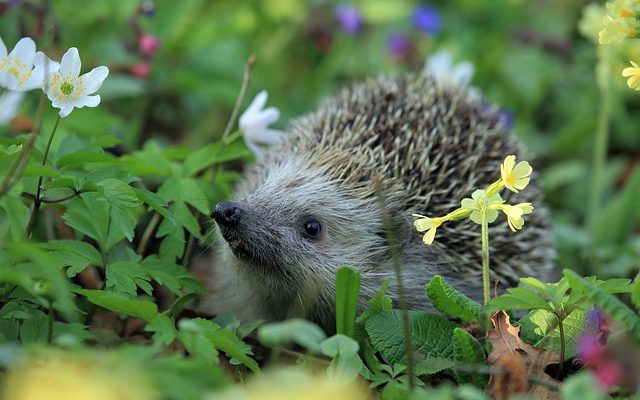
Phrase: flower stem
[37,202]
[485,255]
[562,346]
[243,90]
[50,323]
[600,142]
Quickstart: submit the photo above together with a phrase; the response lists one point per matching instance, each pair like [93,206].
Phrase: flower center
[17,68]
[66,88]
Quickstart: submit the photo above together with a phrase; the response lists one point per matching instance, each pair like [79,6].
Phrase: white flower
[254,123]
[9,103]
[441,66]
[67,89]
[17,70]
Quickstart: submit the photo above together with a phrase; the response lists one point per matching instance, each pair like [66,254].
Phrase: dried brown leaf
[505,339]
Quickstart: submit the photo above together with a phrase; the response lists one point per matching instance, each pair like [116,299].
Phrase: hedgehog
[312,204]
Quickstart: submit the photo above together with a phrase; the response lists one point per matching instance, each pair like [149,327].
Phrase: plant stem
[37,202]
[146,235]
[15,170]
[485,255]
[50,325]
[562,345]
[600,141]
[395,260]
[243,90]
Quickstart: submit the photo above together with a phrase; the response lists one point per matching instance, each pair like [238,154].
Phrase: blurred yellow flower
[56,375]
[514,213]
[430,225]
[515,176]
[294,384]
[590,23]
[620,22]
[634,76]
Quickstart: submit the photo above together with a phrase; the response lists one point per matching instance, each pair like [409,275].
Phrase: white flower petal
[257,151]
[439,63]
[462,73]
[24,51]
[257,104]
[9,104]
[94,78]
[87,101]
[261,120]
[41,60]
[70,63]
[66,110]
[268,136]
[3,49]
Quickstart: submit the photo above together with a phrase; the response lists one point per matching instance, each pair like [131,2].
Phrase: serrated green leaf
[171,275]
[74,253]
[14,217]
[221,339]
[467,350]
[452,302]
[519,298]
[540,329]
[378,303]
[164,329]
[155,202]
[82,158]
[608,302]
[213,153]
[119,193]
[304,333]
[430,333]
[125,276]
[143,309]
[347,296]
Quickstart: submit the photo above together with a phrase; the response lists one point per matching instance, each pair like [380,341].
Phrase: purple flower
[505,117]
[148,8]
[590,349]
[427,19]
[349,18]
[399,46]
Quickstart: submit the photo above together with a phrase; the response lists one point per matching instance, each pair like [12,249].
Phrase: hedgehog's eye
[311,229]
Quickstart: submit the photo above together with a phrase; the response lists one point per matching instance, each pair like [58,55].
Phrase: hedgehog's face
[292,227]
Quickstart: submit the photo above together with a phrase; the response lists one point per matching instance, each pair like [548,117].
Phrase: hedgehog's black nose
[227,213]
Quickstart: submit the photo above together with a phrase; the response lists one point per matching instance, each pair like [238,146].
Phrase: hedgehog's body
[421,145]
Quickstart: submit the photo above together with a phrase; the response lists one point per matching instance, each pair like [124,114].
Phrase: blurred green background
[529,57]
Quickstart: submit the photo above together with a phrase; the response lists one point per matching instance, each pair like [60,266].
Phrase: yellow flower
[58,375]
[634,76]
[515,176]
[430,225]
[590,23]
[514,213]
[620,22]
[477,202]
[294,384]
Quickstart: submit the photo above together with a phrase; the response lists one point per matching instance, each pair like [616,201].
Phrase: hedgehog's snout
[227,213]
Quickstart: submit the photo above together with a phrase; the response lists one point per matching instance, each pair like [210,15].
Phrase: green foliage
[347,295]
[345,361]
[452,302]
[301,332]
[467,350]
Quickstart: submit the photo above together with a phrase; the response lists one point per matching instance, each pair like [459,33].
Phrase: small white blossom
[254,123]
[441,66]
[67,89]
[9,103]
[17,72]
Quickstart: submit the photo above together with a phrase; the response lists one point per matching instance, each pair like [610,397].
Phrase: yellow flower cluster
[621,21]
[514,177]
[59,375]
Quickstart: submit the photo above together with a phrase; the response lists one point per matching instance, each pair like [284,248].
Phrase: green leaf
[221,339]
[378,303]
[164,329]
[304,333]
[467,350]
[519,298]
[620,214]
[540,329]
[608,302]
[82,158]
[346,362]
[213,153]
[125,276]
[171,275]
[635,292]
[156,203]
[583,386]
[347,295]
[430,334]
[74,253]
[452,302]
[14,217]
[119,192]
[116,302]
